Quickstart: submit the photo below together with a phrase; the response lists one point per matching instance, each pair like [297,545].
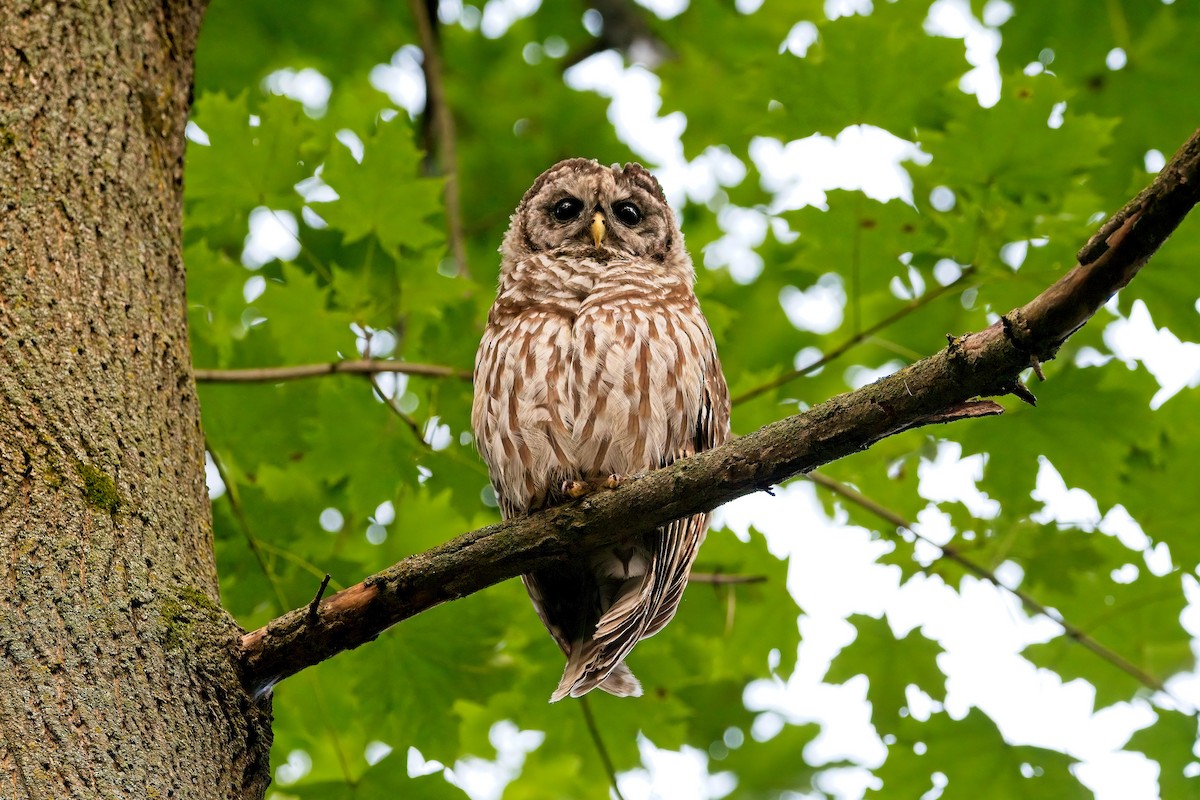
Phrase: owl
[597,363]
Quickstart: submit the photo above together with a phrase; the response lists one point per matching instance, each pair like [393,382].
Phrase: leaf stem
[855,302]
[408,421]
[317,264]
[605,759]
[239,515]
[302,563]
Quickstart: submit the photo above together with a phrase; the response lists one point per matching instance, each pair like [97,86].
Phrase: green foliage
[913,663]
[1171,741]
[394,211]
[333,474]
[767,769]
[975,760]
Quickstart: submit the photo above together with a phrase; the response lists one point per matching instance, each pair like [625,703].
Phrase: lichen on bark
[99,490]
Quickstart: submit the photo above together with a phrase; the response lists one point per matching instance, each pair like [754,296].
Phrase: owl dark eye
[567,209]
[628,213]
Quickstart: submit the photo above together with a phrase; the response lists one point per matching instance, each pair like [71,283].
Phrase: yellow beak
[597,228]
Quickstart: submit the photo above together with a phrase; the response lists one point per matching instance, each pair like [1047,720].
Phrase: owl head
[578,208]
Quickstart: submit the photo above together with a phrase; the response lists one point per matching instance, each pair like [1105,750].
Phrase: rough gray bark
[117,671]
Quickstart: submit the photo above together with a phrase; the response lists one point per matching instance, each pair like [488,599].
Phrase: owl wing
[680,541]
[501,379]
[646,609]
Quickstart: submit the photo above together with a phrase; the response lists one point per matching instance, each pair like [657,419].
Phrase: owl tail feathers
[578,680]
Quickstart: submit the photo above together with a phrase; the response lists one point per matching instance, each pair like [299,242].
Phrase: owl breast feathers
[597,362]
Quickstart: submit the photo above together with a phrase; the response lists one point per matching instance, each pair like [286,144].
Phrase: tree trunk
[117,676]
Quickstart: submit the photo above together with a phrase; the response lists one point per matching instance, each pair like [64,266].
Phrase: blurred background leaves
[316,231]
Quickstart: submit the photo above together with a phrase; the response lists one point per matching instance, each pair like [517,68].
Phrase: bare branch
[369,366]
[857,338]
[438,109]
[951,554]
[723,579]
[624,29]
[935,389]
[316,601]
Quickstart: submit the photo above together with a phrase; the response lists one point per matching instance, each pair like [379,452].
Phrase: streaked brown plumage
[597,362]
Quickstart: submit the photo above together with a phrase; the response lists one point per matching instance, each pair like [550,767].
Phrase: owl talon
[576,489]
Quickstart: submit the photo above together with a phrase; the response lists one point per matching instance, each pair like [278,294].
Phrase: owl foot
[578,489]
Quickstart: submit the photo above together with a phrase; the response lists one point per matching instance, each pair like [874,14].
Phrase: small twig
[857,338]
[418,431]
[972,409]
[315,606]
[949,553]
[625,30]
[1022,393]
[239,514]
[438,109]
[367,366]
[1037,368]
[721,579]
[605,759]
[408,421]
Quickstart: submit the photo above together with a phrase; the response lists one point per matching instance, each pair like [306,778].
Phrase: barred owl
[597,363]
